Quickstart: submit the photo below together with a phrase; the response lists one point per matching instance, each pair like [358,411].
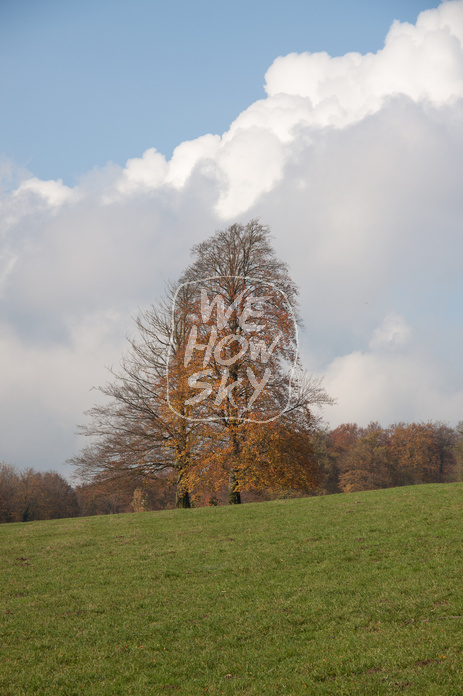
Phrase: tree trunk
[234,496]
[182,496]
[182,499]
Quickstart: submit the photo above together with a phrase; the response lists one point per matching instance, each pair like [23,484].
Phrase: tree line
[351,458]
[34,495]
[346,459]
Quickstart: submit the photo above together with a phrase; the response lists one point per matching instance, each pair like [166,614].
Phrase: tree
[9,493]
[446,440]
[46,496]
[366,465]
[248,335]
[278,455]
[226,330]
[416,455]
[327,462]
[332,448]
[456,473]
[139,501]
[34,495]
[140,432]
[342,438]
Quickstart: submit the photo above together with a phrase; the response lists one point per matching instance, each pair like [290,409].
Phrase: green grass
[347,594]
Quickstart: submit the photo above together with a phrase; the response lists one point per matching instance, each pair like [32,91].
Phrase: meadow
[346,594]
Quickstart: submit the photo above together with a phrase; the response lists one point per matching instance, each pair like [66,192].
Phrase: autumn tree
[139,500]
[331,449]
[35,495]
[416,456]
[326,461]
[58,497]
[402,454]
[456,473]
[142,431]
[365,465]
[46,496]
[226,331]
[245,326]
[277,455]
[102,498]
[342,438]
[103,494]
[446,439]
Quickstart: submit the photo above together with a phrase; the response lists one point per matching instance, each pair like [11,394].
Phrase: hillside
[347,594]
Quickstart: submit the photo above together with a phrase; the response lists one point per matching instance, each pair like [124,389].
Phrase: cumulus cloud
[7,262]
[355,161]
[146,172]
[392,386]
[43,388]
[423,61]
[50,193]
[392,333]
[316,91]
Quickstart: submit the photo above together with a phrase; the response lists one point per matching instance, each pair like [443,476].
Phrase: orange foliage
[414,451]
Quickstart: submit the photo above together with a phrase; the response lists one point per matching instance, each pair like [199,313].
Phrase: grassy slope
[348,594]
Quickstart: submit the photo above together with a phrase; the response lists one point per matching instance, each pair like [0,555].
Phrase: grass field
[348,594]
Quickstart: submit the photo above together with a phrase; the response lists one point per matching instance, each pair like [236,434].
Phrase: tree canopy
[212,387]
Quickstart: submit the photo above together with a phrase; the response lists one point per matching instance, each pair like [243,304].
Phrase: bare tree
[9,493]
[138,433]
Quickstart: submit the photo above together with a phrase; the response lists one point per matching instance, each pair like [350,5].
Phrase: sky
[130,132]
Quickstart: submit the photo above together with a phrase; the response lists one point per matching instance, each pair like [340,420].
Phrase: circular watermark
[233,350]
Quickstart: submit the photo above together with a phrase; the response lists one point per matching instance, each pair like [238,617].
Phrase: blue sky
[85,83]
[131,131]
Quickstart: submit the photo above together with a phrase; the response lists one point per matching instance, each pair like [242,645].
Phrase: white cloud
[148,171]
[46,387]
[391,334]
[313,91]
[7,262]
[356,162]
[187,156]
[51,193]
[392,387]
[423,61]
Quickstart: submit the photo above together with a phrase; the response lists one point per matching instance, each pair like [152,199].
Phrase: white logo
[238,353]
